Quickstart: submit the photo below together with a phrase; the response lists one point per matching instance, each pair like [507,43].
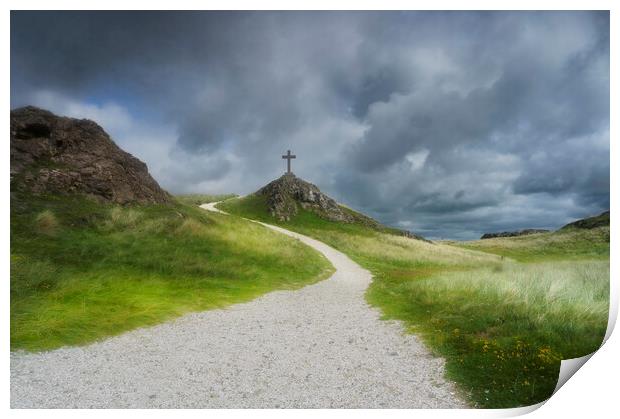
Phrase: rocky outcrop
[52,154]
[514,233]
[286,193]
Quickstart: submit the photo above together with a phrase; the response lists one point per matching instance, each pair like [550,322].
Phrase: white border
[591,392]
[314,5]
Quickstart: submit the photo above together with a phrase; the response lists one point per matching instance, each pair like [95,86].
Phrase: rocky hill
[285,193]
[53,154]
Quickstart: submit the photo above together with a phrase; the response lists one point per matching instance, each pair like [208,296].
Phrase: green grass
[198,199]
[502,312]
[503,329]
[81,270]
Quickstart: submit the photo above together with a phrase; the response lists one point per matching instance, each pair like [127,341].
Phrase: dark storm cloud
[451,124]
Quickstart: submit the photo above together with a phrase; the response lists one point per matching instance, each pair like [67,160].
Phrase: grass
[198,199]
[503,329]
[502,312]
[81,270]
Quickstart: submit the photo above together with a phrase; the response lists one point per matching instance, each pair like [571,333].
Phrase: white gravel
[318,347]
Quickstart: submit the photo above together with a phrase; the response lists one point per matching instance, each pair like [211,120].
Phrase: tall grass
[110,269]
[502,312]
[504,330]
[578,290]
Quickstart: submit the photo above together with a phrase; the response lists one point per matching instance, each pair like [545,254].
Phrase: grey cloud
[453,123]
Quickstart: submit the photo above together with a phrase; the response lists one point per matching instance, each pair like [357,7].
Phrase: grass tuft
[124,217]
[47,223]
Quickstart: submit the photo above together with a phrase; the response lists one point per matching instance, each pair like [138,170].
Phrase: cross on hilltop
[288,156]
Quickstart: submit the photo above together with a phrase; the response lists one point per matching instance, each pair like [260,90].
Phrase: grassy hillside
[502,312]
[600,220]
[81,270]
[571,243]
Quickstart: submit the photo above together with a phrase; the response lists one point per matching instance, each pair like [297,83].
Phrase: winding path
[318,347]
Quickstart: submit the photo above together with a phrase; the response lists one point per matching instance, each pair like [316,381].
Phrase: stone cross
[288,156]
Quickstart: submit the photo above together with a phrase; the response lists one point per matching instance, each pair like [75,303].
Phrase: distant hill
[513,233]
[601,220]
[569,242]
[59,155]
[589,223]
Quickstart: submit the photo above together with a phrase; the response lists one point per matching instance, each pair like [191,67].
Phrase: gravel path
[320,347]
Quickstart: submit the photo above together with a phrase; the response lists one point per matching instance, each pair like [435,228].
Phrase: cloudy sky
[447,124]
